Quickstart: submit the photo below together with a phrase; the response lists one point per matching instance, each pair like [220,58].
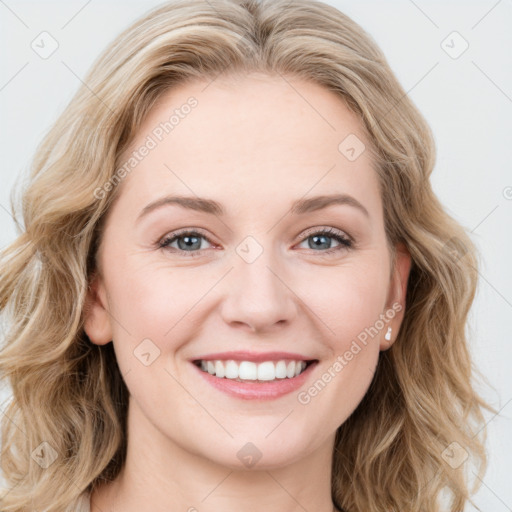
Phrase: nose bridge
[256,293]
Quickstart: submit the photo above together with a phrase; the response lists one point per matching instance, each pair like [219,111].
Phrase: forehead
[255,134]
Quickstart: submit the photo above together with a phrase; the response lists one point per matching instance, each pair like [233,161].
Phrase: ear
[397,294]
[96,314]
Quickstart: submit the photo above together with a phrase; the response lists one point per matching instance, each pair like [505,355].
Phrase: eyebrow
[212,207]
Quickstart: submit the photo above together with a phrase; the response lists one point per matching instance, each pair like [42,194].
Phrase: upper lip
[243,355]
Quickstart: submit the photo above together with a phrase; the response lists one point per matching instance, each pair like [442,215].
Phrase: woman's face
[254,278]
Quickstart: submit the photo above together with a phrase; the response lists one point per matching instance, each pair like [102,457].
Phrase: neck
[160,475]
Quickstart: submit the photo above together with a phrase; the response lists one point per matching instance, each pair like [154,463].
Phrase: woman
[235,288]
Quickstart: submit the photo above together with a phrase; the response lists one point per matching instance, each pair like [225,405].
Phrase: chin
[258,453]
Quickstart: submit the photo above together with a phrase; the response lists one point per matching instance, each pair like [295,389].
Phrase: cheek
[351,309]
[148,299]
[157,310]
[151,307]
[348,301]
[152,300]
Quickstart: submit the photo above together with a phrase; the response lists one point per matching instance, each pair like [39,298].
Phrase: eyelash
[344,241]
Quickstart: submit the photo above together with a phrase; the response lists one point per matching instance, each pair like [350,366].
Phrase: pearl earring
[387,336]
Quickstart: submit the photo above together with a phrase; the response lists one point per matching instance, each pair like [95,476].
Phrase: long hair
[64,430]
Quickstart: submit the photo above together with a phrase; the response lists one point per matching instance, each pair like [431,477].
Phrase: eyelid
[175,234]
[328,229]
[305,234]
[344,240]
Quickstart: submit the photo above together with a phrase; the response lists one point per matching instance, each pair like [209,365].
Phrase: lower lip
[264,390]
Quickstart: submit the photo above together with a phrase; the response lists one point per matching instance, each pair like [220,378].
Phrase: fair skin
[255,146]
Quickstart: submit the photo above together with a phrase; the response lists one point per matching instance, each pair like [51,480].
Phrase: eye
[322,239]
[187,242]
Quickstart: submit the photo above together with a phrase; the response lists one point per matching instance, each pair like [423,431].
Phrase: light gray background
[467,101]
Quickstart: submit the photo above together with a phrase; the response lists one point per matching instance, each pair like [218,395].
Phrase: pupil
[189,242]
[316,238]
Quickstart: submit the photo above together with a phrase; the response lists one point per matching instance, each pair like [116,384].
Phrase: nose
[259,296]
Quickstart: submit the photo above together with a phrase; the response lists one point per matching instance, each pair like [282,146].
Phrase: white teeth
[219,369]
[266,371]
[290,371]
[249,370]
[231,370]
[280,370]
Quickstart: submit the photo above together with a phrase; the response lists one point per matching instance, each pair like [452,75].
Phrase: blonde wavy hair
[391,452]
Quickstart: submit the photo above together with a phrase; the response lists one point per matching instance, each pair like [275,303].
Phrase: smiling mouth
[249,371]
